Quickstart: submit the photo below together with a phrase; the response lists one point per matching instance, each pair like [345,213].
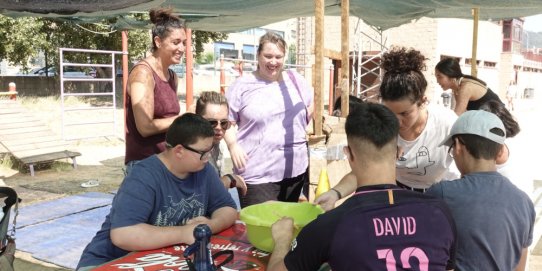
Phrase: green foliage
[199,38]
[291,54]
[205,59]
[23,38]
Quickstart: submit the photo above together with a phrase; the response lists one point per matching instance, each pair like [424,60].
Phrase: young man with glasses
[213,107]
[494,218]
[165,197]
[382,226]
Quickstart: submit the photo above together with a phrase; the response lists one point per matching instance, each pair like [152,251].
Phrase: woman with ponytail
[469,92]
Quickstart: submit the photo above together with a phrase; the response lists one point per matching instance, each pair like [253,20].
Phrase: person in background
[213,107]
[351,101]
[420,160]
[469,92]
[494,219]
[151,94]
[358,234]
[271,108]
[511,93]
[165,198]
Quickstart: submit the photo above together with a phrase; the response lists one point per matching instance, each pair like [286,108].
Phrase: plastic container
[259,218]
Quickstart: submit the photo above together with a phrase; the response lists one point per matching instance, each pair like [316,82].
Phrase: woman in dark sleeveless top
[151,101]
[469,92]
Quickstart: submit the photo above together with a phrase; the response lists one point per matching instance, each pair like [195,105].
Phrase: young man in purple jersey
[494,218]
[382,226]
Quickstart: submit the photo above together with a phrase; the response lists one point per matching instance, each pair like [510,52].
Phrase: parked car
[210,69]
[69,72]
[179,69]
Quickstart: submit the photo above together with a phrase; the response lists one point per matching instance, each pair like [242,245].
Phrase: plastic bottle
[203,260]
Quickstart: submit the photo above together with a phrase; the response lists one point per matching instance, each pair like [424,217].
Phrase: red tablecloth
[246,257]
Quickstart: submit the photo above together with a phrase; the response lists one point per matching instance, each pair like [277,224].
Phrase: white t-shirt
[423,162]
[516,171]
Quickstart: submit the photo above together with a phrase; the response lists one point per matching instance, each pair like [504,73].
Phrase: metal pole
[189,74]
[124,74]
[360,59]
[222,76]
[345,56]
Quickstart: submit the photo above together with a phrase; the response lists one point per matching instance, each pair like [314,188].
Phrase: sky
[533,23]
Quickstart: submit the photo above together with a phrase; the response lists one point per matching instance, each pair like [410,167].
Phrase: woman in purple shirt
[271,109]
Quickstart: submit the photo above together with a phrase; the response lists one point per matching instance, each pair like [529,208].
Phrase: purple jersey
[381,227]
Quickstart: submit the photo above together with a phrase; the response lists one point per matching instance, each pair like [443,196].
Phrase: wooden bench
[28,139]
[49,157]
[12,94]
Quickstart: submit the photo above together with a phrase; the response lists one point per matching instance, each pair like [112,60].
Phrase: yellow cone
[323,183]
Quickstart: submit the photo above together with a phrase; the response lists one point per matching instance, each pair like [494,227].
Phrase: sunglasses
[224,124]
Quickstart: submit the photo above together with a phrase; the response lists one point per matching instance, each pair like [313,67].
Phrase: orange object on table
[246,257]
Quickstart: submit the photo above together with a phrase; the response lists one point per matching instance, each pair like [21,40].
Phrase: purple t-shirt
[271,119]
[381,227]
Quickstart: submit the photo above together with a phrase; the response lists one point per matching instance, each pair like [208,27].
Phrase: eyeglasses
[224,124]
[450,153]
[453,145]
[203,154]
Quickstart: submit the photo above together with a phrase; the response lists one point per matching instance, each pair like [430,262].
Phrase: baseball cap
[477,122]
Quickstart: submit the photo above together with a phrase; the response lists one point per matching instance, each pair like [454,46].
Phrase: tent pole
[318,71]
[474,61]
[189,62]
[345,56]
[124,73]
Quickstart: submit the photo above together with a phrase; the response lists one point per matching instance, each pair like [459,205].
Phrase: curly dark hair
[164,22]
[403,78]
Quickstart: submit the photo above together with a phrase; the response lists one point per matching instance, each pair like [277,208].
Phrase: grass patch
[5,161]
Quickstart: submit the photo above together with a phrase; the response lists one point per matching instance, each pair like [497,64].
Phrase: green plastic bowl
[259,218]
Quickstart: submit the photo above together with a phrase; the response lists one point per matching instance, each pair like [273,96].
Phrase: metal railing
[83,116]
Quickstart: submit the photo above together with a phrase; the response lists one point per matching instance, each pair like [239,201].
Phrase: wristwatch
[233,181]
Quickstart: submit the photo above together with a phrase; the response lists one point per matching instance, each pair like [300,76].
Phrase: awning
[235,15]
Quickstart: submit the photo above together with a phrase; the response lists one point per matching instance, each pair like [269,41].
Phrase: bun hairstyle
[403,77]
[164,22]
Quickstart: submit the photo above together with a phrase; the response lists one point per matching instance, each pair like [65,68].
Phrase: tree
[24,38]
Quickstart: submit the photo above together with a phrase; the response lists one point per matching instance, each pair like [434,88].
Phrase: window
[489,64]
[468,61]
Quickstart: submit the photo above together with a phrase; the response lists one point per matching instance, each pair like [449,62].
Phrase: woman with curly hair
[421,162]
[151,94]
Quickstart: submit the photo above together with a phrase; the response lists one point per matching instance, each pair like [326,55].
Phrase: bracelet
[233,181]
[338,193]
